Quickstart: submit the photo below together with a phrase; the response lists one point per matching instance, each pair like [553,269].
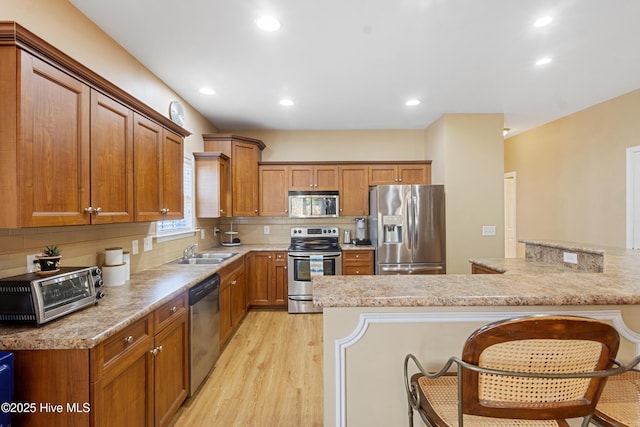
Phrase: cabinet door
[226,327]
[172,174]
[274,190]
[383,175]
[325,178]
[414,174]
[301,178]
[354,191]
[280,280]
[111,160]
[148,174]
[171,369]
[53,146]
[238,299]
[211,185]
[244,172]
[125,397]
[259,271]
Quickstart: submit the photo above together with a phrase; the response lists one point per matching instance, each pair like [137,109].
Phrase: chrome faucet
[190,251]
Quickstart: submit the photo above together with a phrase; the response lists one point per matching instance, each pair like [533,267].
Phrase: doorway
[510,243]
[633,197]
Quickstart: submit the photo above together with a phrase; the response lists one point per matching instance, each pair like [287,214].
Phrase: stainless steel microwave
[313,204]
[33,298]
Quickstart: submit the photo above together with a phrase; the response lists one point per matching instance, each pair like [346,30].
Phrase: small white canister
[114,275]
[113,256]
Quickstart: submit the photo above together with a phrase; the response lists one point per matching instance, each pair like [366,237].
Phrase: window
[175,229]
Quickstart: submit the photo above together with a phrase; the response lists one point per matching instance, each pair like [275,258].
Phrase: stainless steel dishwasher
[204,329]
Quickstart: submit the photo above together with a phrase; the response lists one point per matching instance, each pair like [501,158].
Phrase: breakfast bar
[371,323]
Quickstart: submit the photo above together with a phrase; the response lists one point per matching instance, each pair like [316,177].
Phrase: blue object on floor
[6,385]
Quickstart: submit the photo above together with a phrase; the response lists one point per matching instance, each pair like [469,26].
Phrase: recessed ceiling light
[412,102]
[543,61]
[207,91]
[542,22]
[268,23]
[286,102]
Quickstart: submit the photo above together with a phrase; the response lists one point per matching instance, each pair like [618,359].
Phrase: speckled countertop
[122,305]
[526,283]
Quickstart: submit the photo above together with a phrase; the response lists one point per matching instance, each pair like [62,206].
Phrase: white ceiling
[352,64]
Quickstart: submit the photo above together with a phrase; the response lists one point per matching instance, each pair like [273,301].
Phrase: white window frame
[179,228]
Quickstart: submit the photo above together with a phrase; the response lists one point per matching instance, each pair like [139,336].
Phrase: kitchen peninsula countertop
[122,305]
[526,283]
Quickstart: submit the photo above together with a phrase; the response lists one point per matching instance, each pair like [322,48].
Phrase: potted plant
[50,258]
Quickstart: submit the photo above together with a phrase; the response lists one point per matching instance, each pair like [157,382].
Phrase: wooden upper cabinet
[173,175]
[52,146]
[396,173]
[147,145]
[274,190]
[310,177]
[111,160]
[245,153]
[354,190]
[212,185]
[67,139]
[158,174]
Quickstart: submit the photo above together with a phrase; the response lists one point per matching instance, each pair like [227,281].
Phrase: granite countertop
[525,283]
[122,305]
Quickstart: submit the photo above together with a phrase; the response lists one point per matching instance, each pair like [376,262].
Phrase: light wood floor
[270,374]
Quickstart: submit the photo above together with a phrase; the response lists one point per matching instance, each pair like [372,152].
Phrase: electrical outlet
[570,257]
[267,229]
[32,265]
[148,243]
[134,247]
[488,230]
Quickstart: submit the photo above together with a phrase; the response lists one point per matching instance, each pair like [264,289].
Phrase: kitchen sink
[205,258]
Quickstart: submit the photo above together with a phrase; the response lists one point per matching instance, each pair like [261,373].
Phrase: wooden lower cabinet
[268,279]
[479,269]
[136,377]
[233,301]
[357,263]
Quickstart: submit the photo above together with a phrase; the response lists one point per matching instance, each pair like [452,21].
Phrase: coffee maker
[361,232]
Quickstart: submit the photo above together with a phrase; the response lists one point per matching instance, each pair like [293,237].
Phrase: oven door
[303,266]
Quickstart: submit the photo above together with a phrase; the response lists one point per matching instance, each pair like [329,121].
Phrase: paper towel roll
[114,275]
[113,256]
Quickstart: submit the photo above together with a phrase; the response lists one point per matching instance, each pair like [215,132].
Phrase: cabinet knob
[255,210]
[357,271]
[129,339]
[97,210]
[88,210]
[357,256]
[311,185]
[234,282]
[173,309]
[269,256]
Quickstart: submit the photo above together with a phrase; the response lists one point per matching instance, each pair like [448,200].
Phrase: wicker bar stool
[530,371]
[619,404]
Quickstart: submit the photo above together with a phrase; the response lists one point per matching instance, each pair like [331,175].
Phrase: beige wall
[467,153]
[62,25]
[284,145]
[571,174]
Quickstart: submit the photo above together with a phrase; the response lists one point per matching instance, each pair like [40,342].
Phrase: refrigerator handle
[410,219]
[414,227]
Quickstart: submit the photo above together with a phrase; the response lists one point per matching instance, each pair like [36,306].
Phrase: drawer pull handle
[173,309]
[129,339]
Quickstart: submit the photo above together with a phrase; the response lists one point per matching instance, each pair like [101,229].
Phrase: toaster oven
[32,298]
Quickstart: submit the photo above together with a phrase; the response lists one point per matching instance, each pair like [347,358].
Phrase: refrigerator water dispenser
[392,225]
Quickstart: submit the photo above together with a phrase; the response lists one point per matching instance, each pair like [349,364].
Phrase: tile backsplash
[83,245]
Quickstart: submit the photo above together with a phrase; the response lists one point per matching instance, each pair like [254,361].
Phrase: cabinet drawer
[357,270]
[360,256]
[280,257]
[231,271]
[169,311]
[129,342]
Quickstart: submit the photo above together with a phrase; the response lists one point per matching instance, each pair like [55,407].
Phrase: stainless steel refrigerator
[407,227]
